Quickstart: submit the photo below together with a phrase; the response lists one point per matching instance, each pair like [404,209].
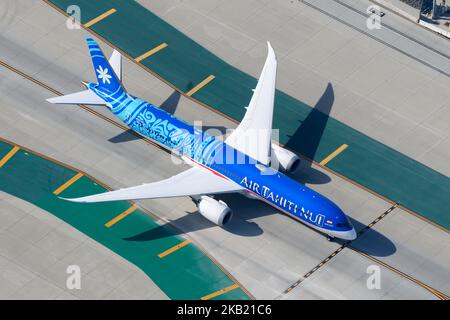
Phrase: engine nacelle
[215,211]
[287,160]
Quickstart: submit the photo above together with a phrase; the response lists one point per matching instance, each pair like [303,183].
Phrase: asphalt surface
[37,248]
[310,132]
[265,251]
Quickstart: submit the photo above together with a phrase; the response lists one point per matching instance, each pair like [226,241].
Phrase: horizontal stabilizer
[82,97]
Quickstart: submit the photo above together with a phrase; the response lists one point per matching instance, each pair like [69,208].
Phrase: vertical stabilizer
[106,77]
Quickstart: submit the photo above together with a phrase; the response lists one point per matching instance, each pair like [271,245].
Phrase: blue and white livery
[242,163]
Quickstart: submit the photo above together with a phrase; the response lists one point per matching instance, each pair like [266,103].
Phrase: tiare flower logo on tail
[103,74]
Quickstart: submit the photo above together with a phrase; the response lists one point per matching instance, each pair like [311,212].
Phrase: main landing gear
[330,238]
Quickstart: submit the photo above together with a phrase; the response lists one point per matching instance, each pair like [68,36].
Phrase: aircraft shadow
[125,136]
[170,105]
[306,141]
[307,137]
[372,242]
[215,130]
[245,211]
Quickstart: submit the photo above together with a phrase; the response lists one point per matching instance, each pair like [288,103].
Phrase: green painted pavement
[184,63]
[185,274]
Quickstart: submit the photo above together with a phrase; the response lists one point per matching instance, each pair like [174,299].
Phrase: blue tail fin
[107,79]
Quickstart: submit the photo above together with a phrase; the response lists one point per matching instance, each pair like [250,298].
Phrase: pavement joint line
[9,155]
[153,73]
[124,214]
[98,114]
[377,219]
[119,125]
[151,52]
[332,155]
[99,18]
[327,259]
[200,85]
[68,183]
[347,244]
[220,292]
[174,248]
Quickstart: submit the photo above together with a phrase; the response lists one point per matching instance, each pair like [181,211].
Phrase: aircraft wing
[194,181]
[253,136]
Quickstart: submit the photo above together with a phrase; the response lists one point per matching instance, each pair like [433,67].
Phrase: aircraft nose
[350,234]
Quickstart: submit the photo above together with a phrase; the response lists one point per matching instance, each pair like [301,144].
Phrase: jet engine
[287,160]
[215,211]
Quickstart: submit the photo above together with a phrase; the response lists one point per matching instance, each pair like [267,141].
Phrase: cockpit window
[343,224]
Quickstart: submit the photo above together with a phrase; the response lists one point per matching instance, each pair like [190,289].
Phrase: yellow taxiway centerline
[121,216]
[333,154]
[200,85]
[220,292]
[437,293]
[68,183]
[9,155]
[151,52]
[175,248]
[99,18]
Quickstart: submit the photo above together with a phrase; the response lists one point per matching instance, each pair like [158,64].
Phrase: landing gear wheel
[330,238]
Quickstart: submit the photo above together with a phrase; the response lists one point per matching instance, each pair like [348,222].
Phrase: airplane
[241,163]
